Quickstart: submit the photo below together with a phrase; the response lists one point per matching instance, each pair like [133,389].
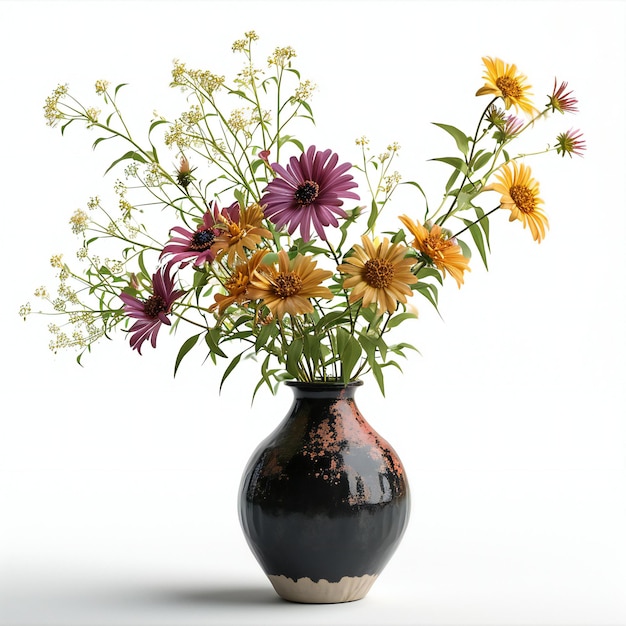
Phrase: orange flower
[288,288]
[520,195]
[441,251]
[245,233]
[378,273]
[238,283]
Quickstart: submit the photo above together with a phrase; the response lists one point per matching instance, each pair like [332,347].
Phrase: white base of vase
[304,590]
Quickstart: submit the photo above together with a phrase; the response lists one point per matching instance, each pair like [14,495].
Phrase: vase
[324,500]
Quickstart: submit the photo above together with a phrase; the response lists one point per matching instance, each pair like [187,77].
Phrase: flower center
[307,192]
[202,240]
[236,233]
[154,305]
[379,273]
[237,284]
[286,285]
[436,246]
[509,87]
[523,197]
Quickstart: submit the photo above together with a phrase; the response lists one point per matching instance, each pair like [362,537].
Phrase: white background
[118,483]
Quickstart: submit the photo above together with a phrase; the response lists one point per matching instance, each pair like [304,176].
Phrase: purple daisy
[151,313]
[196,244]
[308,191]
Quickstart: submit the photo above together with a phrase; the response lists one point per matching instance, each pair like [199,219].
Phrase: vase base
[307,591]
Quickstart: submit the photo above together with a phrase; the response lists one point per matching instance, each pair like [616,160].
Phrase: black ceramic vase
[324,501]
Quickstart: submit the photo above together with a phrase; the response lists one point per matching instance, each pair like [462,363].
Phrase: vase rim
[323,384]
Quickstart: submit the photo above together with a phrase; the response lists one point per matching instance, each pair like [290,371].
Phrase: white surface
[118,484]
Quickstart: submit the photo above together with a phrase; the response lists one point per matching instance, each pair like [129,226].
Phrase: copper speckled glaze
[324,498]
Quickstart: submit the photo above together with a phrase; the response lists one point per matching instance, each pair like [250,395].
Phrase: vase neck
[324,390]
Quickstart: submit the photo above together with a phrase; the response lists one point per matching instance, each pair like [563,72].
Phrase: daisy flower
[237,284]
[196,246]
[289,287]
[240,230]
[562,101]
[570,143]
[503,80]
[378,273]
[152,313]
[308,191]
[520,195]
[438,249]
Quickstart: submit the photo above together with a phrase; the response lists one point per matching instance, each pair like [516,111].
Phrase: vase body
[324,500]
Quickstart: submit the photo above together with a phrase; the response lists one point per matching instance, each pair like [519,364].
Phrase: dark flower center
[286,285]
[523,197]
[154,305]
[202,240]
[307,192]
[379,273]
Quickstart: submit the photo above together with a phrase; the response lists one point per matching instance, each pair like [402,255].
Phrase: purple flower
[562,101]
[151,313]
[196,244]
[308,191]
[570,143]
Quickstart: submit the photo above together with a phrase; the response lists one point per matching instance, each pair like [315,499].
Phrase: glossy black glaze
[324,496]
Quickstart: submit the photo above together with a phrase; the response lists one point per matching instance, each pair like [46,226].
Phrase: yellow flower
[378,273]
[503,80]
[520,195]
[238,283]
[244,234]
[287,289]
[439,249]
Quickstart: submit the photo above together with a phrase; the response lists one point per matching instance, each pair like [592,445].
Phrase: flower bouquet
[251,244]
[254,245]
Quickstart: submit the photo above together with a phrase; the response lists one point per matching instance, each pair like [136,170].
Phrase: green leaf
[349,350]
[184,349]
[132,155]
[484,224]
[455,162]
[312,349]
[98,141]
[373,215]
[426,272]
[212,338]
[329,320]
[292,357]
[480,161]
[462,140]
[465,249]
[142,265]
[452,180]
[477,236]
[265,334]
[429,292]
[377,370]
[399,318]
[231,366]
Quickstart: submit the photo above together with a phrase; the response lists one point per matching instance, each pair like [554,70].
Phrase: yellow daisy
[520,195]
[240,234]
[237,284]
[503,80]
[444,254]
[288,288]
[378,273]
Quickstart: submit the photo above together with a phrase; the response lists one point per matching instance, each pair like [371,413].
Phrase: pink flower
[152,313]
[570,143]
[195,245]
[308,191]
[561,101]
